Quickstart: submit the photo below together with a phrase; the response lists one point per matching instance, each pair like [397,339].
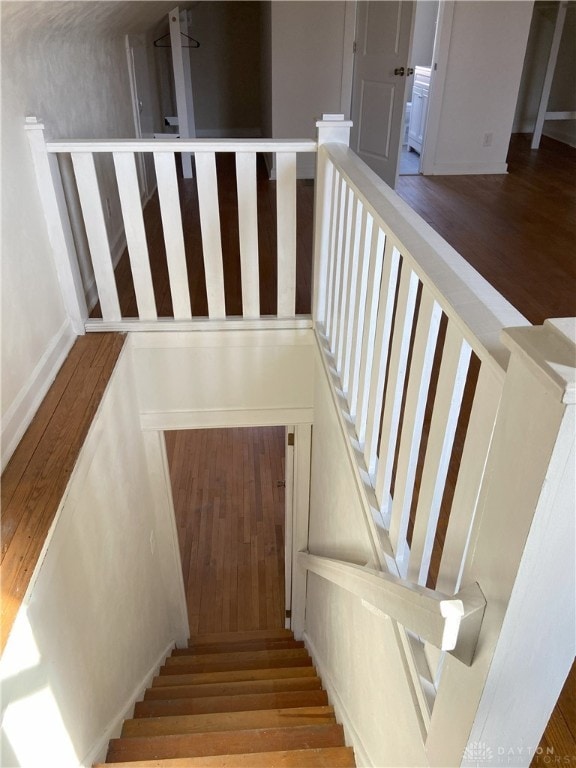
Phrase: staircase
[241,699]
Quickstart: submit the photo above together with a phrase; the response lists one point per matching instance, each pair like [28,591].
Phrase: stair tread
[232,637]
[237,703]
[239,645]
[227,721]
[226,742]
[322,757]
[233,689]
[215,662]
[241,656]
[177,677]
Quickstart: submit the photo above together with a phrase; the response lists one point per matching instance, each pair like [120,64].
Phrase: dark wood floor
[518,230]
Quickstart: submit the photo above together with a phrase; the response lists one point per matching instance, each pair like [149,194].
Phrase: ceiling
[93,16]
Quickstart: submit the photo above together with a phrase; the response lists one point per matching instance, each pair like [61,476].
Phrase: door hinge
[354,47]
[290,438]
[288,614]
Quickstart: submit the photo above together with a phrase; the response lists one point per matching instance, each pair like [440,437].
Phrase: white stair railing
[87,161]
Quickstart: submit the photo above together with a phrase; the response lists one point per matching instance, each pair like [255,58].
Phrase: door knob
[409,72]
[399,71]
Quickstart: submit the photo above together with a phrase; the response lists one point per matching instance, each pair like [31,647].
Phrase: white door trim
[437,84]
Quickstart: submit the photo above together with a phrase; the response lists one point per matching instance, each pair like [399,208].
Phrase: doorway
[228,488]
[418,90]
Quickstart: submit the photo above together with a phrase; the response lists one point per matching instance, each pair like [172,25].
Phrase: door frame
[437,84]
[437,76]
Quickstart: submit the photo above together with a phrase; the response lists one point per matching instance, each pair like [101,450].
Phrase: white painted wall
[103,607]
[180,381]
[484,66]
[366,680]
[226,68]
[563,92]
[76,81]
[424,30]
[307,64]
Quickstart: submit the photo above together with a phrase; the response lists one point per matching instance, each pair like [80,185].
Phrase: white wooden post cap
[31,123]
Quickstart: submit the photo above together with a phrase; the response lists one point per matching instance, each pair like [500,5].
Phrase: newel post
[521,554]
[58,225]
[331,129]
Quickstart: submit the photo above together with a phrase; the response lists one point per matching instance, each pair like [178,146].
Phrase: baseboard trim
[351,735]
[468,169]
[98,753]
[17,418]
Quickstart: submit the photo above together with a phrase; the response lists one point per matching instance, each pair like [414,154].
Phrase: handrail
[464,295]
[182,145]
[451,624]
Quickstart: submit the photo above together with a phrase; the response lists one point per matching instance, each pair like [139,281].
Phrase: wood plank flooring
[229,504]
[518,230]
[37,474]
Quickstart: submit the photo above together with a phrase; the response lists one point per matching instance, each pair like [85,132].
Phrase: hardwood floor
[518,230]
[229,505]
[37,474]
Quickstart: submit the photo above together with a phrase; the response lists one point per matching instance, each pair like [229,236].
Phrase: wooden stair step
[327,757]
[243,645]
[239,703]
[238,637]
[232,689]
[227,721]
[225,742]
[217,662]
[175,677]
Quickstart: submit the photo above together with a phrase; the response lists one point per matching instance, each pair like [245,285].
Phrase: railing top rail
[450,623]
[475,306]
[182,145]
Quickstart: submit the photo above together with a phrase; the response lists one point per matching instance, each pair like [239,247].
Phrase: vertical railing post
[58,225]
[521,554]
[333,129]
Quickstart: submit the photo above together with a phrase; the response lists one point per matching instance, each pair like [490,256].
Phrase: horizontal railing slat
[183,145]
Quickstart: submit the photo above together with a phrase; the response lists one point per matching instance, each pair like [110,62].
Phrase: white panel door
[383,31]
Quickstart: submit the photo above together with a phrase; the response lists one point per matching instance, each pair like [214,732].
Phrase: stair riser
[329,757]
[230,703]
[204,678]
[233,689]
[227,721]
[227,743]
[238,657]
[250,645]
[239,637]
